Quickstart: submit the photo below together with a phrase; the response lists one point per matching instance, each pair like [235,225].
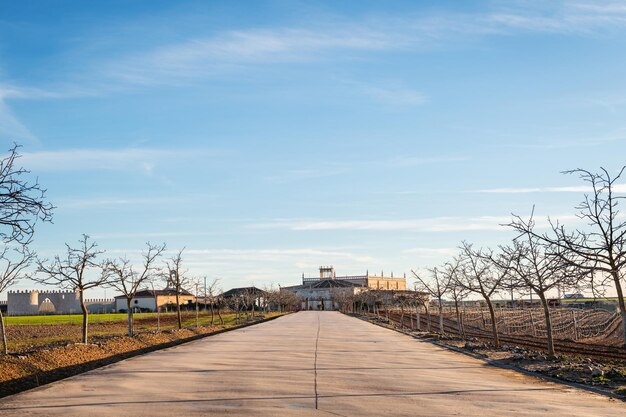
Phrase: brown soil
[605,376]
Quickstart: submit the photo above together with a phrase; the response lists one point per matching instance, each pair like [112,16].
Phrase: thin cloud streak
[227,256]
[144,159]
[11,128]
[87,203]
[438,224]
[431,252]
[234,51]
[619,188]
[431,225]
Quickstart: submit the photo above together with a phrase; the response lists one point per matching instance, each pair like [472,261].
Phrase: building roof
[325,283]
[332,283]
[168,292]
[234,292]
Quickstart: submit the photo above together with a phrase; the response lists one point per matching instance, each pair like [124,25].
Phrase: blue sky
[269,138]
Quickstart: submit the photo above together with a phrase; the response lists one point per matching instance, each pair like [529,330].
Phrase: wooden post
[417,318]
[482,315]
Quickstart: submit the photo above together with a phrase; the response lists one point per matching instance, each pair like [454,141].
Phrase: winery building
[320,293]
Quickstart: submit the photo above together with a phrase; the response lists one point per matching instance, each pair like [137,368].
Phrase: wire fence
[566,323]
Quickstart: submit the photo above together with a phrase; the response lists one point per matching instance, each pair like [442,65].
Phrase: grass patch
[29,333]
[71,319]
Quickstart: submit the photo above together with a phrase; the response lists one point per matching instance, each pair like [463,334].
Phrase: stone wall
[31,302]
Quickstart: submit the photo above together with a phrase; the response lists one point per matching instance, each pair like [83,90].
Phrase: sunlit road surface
[309,363]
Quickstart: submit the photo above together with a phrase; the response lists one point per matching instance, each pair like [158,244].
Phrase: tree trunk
[417,319]
[482,316]
[83,307]
[441,317]
[622,305]
[129,316]
[546,312]
[3,335]
[178,317]
[219,314]
[458,318]
[212,313]
[494,324]
[427,319]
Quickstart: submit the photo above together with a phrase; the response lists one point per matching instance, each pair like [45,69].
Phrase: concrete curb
[497,364]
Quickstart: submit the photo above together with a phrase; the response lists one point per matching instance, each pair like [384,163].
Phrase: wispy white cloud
[435,224]
[274,254]
[409,160]
[11,128]
[431,252]
[231,50]
[12,91]
[146,235]
[566,18]
[396,96]
[321,171]
[253,260]
[131,159]
[620,188]
[432,225]
[83,203]
[202,55]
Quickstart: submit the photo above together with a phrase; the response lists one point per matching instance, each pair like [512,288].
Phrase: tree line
[23,204]
[591,257]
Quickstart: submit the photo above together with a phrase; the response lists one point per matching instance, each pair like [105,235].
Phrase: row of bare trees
[23,204]
[591,257]
[79,270]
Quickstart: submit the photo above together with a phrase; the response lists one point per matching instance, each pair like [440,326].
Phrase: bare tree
[177,280]
[534,265]
[124,277]
[22,203]
[403,301]
[602,248]
[479,275]
[249,299]
[13,263]
[289,301]
[211,296]
[456,290]
[436,287]
[421,301]
[72,272]
[343,297]
[220,304]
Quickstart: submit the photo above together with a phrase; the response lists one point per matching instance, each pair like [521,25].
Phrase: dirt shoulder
[20,372]
[602,376]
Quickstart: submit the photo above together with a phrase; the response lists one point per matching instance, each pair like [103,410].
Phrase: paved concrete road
[275,369]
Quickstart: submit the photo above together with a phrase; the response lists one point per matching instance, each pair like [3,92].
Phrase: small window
[136,301]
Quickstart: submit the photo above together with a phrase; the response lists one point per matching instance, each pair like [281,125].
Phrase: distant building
[34,302]
[148,300]
[321,293]
[245,295]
